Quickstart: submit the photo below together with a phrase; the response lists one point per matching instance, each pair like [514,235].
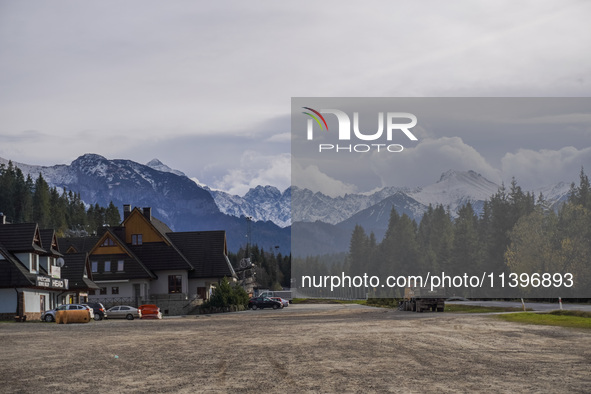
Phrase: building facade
[30,274]
[142,261]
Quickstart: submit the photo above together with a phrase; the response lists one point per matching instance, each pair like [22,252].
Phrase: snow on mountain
[308,206]
[267,203]
[263,203]
[554,194]
[175,199]
[159,166]
[454,189]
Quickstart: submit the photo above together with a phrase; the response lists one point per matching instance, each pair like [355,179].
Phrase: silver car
[49,316]
[123,312]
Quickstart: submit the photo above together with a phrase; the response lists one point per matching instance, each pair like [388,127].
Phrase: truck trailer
[419,299]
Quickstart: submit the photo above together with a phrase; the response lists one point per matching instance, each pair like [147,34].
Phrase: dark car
[100,312]
[264,302]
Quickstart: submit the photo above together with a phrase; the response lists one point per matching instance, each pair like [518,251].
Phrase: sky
[206,87]
[538,141]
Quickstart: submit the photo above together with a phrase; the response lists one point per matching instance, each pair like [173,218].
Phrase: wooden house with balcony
[143,261]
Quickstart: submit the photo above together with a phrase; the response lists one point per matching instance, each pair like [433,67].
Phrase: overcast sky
[206,86]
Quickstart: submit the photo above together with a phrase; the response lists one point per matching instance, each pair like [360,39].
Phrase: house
[143,261]
[30,276]
[76,270]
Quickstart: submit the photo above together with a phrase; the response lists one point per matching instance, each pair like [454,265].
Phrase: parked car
[264,302]
[98,309]
[49,316]
[123,312]
[281,300]
[150,311]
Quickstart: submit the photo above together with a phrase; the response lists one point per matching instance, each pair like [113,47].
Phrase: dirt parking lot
[322,348]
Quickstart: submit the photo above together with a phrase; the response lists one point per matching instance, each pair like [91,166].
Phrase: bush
[225,295]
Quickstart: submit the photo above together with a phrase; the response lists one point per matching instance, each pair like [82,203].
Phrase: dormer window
[108,242]
[136,239]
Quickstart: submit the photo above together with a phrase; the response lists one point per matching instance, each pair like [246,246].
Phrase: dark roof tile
[20,237]
[206,250]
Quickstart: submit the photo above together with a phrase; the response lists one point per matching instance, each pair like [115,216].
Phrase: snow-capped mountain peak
[455,188]
[159,166]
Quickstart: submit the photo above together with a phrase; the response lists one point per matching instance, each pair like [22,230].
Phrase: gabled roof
[160,256]
[77,244]
[207,252]
[22,237]
[74,269]
[12,272]
[109,233]
[49,242]
[159,227]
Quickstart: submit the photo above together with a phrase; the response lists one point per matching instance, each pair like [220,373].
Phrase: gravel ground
[302,348]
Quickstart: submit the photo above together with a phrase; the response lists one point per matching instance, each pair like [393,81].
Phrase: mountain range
[185,205]
[175,199]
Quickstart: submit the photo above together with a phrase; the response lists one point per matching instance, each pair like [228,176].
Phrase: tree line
[515,232]
[23,200]
[273,271]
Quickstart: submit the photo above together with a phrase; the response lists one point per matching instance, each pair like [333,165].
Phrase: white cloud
[283,137]
[424,163]
[256,169]
[310,177]
[545,167]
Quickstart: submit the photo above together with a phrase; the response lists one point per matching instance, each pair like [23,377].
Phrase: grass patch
[480,309]
[571,313]
[575,319]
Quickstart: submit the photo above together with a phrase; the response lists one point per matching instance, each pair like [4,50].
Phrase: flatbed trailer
[419,299]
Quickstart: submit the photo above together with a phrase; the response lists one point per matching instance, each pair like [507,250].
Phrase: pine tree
[41,203]
[112,215]
[466,249]
[23,200]
[57,215]
[7,191]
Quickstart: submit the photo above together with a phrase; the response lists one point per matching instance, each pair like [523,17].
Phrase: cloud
[256,169]
[310,177]
[545,167]
[283,137]
[424,163]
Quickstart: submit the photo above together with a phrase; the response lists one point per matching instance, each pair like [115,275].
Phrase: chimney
[2,218]
[148,213]
[126,211]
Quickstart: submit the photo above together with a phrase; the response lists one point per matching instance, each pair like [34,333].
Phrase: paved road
[536,306]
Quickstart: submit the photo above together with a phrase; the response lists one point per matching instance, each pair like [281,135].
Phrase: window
[114,290]
[120,266]
[107,266]
[108,242]
[94,266]
[136,239]
[103,290]
[175,284]
[90,292]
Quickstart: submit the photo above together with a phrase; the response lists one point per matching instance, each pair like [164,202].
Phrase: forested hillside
[24,200]
[516,232]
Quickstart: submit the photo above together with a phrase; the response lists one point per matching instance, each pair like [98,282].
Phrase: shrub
[225,295]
